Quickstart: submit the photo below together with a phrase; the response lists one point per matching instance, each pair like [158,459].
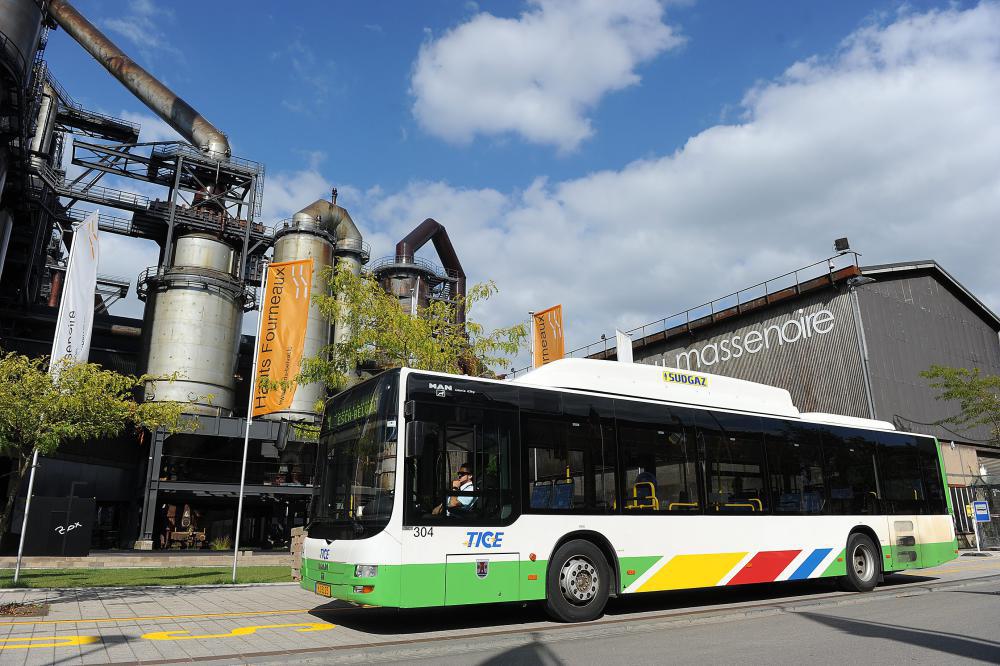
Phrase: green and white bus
[592,479]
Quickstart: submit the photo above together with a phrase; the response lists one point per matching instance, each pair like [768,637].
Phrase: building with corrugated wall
[852,341]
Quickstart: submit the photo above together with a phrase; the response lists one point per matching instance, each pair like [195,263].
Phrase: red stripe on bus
[764,567]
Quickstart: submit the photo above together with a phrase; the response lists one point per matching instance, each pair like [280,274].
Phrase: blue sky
[628,159]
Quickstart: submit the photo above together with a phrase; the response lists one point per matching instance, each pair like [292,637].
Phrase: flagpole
[34,454]
[27,507]
[531,337]
[246,434]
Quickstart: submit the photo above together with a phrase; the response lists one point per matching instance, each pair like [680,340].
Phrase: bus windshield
[357,461]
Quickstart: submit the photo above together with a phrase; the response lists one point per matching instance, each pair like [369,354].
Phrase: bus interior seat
[541,494]
[562,495]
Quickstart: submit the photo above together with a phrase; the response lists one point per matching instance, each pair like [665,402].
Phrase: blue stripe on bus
[810,564]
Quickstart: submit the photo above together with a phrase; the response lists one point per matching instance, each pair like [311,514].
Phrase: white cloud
[892,141]
[537,75]
[125,257]
[310,83]
[285,193]
[139,24]
[151,128]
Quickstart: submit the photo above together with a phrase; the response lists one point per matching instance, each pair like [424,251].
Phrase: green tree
[39,410]
[383,335]
[978,396]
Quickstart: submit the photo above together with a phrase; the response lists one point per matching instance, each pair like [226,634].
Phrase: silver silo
[194,311]
[305,238]
[326,233]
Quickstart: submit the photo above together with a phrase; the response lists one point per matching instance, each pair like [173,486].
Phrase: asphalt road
[950,613]
[948,626]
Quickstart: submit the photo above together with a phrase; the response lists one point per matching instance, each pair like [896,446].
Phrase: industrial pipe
[431,230]
[160,99]
[56,289]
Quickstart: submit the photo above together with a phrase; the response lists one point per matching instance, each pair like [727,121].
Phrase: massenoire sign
[808,346]
[762,338]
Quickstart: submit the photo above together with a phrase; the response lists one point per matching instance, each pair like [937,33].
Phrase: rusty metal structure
[414,280]
[211,248]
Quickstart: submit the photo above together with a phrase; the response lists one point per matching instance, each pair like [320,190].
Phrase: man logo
[482,568]
[440,390]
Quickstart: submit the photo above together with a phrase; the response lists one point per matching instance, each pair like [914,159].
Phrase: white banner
[624,346]
[76,307]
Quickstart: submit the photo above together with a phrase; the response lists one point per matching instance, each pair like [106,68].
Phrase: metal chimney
[160,99]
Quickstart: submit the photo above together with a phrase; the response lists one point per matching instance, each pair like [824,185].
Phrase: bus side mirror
[415,434]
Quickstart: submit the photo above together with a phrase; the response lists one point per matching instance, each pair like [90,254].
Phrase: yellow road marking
[52,641]
[240,631]
[161,617]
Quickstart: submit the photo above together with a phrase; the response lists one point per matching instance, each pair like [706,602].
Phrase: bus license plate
[323,589]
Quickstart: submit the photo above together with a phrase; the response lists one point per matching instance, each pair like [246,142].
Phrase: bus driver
[463,483]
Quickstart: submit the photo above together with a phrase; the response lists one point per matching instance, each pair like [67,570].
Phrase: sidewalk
[101,603]
[152,558]
[130,625]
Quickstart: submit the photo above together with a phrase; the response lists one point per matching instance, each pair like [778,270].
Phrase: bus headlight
[365,570]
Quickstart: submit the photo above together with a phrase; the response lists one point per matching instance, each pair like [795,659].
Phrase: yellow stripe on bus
[684,571]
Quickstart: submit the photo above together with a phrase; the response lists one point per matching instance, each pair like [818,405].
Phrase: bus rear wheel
[578,582]
[863,564]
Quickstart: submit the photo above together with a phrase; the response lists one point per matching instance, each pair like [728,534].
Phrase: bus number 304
[419,532]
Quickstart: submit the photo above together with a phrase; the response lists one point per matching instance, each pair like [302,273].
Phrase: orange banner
[283,316]
[548,336]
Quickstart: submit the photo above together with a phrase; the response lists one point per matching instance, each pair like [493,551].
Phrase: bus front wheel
[863,564]
[578,582]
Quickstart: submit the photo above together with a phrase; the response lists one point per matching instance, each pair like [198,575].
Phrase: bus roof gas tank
[849,421]
[659,383]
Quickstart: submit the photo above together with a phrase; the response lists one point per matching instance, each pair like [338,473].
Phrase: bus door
[458,465]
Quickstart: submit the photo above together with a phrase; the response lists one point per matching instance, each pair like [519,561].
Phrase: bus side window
[734,463]
[901,474]
[455,438]
[795,468]
[569,456]
[659,459]
[927,448]
[851,472]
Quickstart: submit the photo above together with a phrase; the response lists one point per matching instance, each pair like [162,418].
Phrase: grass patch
[65,578]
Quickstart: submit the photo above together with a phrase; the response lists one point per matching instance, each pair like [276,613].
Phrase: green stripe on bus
[927,555]
[837,568]
[638,565]
[423,585]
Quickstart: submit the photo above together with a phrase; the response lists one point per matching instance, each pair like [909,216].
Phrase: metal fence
[986,491]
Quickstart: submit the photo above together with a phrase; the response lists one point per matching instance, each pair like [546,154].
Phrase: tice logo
[484,539]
